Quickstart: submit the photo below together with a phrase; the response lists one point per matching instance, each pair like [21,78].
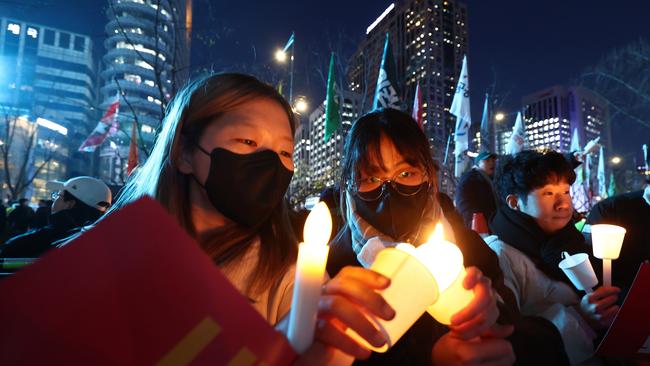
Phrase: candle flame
[318,226]
[438,233]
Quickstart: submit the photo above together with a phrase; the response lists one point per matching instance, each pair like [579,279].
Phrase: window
[133,78]
[48,38]
[14,28]
[79,43]
[64,40]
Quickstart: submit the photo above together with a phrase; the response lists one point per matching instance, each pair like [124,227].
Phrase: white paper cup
[579,270]
[607,240]
[411,291]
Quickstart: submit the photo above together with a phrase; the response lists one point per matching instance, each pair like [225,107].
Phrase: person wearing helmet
[77,202]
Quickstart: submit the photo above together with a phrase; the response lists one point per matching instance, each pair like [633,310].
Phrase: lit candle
[606,242]
[445,261]
[427,278]
[412,289]
[310,272]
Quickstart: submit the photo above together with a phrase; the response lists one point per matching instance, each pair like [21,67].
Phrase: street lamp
[301,105]
[499,116]
[280,56]
[616,160]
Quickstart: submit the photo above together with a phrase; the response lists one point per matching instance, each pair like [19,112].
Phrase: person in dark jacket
[475,192]
[631,211]
[77,202]
[390,191]
[531,230]
[43,212]
[20,219]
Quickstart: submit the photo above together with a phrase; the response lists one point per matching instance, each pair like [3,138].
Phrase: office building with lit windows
[47,85]
[551,115]
[317,163]
[146,60]
[429,39]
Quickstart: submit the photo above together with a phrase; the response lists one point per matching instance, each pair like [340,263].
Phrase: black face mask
[394,214]
[246,188]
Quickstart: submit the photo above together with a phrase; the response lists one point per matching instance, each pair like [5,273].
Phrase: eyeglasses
[406,183]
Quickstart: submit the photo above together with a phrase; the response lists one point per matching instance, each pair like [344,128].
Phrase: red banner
[629,335]
[134,290]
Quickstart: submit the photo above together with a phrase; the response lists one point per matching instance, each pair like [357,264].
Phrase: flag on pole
[517,139]
[460,109]
[579,195]
[602,184]
[332,107]
[289,42]
[417,105]
[575,141]
[280,87]
[107,126]
[133,150]
[611,190]
[588,175]
[386,93]
[485,126]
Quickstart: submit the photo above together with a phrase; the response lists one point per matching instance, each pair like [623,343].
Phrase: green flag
[332,115]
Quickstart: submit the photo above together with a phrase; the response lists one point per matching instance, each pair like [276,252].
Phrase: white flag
[575,142]
[516,143]
[602,184]
[460,108]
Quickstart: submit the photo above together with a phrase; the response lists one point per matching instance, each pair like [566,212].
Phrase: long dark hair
[362,145]
[195,107]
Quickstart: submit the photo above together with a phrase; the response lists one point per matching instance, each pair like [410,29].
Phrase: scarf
[520,231]
[368,241]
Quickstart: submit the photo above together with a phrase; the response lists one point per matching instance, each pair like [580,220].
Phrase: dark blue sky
[525,45]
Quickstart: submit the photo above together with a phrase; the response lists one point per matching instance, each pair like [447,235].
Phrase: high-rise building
[317,163]
[146,61]
[551,115]
[49,75]
[429,39]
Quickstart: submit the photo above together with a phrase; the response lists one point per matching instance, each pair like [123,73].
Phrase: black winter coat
[535,340]
[475,193]
[36,242]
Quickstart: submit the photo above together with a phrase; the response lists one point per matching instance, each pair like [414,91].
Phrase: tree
[622,78]
[23,158]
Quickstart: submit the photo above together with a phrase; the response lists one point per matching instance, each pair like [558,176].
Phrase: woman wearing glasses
[389,192]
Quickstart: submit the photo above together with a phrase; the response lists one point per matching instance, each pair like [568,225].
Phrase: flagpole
[447,150]
[293,51]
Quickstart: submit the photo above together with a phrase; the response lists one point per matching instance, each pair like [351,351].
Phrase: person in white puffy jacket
[531,229]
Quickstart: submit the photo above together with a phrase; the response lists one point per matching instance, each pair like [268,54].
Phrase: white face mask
[646,194]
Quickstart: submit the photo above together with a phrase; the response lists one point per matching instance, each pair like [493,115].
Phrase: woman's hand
[481,314]
[343,303]
[452,350]
[599,307]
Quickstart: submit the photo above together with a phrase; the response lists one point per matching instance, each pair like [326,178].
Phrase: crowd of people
[221,166]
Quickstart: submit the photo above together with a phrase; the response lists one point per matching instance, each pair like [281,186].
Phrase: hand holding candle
[607,241]
[310,272]
[431,278]
[445,261]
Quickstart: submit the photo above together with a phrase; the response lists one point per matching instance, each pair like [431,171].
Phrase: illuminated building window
[14,28]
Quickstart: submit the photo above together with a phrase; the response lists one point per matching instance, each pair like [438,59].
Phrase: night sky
[523,45]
